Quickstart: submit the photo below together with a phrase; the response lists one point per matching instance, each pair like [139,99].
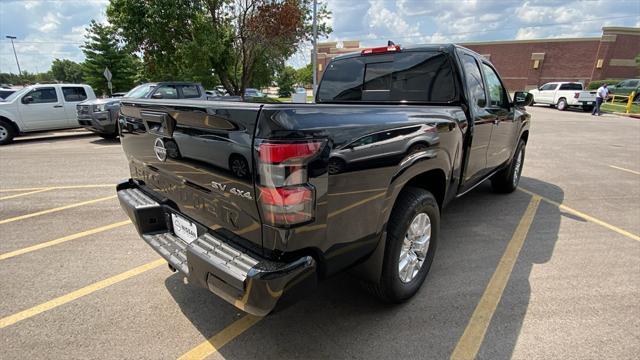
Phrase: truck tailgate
[198,159]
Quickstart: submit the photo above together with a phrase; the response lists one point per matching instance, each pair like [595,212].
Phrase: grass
[621,108]
[288,99]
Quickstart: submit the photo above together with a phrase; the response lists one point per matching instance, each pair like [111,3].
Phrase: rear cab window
[405,77]
[571,86]
[74,94]
[190,91]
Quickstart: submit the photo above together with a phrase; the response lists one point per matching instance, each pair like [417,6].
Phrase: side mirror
[522,98]
[27,99]
[157,96]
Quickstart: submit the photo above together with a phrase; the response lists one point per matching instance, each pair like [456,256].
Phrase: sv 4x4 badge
[234,191]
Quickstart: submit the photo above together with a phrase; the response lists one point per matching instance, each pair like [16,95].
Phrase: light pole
[14,54]
[315,47]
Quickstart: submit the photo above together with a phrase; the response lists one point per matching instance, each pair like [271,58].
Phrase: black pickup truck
[356,180]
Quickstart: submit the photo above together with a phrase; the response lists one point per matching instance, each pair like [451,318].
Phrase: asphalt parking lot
[551,271]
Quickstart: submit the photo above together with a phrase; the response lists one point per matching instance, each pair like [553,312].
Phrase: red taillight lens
[381,50]
[286,198]
[274,153]
[287,206]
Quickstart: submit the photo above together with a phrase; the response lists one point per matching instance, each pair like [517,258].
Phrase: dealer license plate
[184,229]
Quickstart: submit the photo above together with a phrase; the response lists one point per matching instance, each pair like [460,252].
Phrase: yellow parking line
[217,341]
[43,212]
[60,187]
[584,216]
[23,194]
[51,304]
[62,240]
[469,343]
[627,170]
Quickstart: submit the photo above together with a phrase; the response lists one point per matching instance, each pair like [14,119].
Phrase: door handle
[57,106]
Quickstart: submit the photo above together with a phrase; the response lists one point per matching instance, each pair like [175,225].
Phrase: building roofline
[621,30]
[532,41]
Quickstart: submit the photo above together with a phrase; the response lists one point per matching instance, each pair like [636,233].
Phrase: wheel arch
[11,122]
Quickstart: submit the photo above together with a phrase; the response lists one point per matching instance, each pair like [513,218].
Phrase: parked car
[256,239]
[563,95]
[4,93]
[41,107]
[101,115]
[626,87]
[249,92]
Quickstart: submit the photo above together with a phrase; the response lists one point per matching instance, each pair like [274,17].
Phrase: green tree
[103,49]
[67,71]
[242,43]
[285,81]
[304,75]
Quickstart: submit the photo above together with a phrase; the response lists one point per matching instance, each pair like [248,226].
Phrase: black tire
[7,132]
[562,104]
[507,179]
[336,166]
[239,166]
[411,202]
[417,148]
[107,136]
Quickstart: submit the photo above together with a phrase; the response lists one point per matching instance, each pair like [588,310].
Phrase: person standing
[601,96]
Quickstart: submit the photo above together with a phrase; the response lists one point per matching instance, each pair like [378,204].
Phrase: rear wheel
[412,235]
[7,132]
[562,104]
[507,179]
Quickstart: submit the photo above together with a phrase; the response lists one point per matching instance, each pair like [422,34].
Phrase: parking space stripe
[584,216]
[471,340]
[356,204]
[61,240]
[43,212]
[60,187]
[217,341]
[623,169]
[38,309]
[23,194]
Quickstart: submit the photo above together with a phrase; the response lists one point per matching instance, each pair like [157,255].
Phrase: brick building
[526,64]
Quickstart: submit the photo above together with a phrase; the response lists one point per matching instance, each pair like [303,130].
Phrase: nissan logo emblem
[160,150]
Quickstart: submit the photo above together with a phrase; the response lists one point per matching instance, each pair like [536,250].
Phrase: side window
[571,86]
[474,81]
[633,83]
[168,92]
[44,95]
[74,94]
[548,87]
[497,95]
[190,91]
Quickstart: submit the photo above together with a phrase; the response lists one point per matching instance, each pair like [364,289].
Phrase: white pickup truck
[564,94]
[41,107]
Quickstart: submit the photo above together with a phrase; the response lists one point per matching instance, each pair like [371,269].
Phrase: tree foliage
[103,49]
[26,78]
[304,75]
[286,80]
[67,71]
[237,43]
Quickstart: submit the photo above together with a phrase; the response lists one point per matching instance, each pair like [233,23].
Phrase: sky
[55,29]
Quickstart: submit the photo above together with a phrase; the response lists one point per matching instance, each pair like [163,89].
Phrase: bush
[593,85]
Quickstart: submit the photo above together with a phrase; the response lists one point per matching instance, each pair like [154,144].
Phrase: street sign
[107,74]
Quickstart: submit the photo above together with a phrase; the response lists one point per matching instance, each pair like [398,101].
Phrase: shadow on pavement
[44,137]
[340,320]
[101,141]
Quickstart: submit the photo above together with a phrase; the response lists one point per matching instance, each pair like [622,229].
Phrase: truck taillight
[286,198]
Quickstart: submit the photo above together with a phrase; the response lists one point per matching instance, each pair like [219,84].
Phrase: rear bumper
[247,281]
[99,122]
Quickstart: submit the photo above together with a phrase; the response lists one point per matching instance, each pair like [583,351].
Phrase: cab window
[43,95]
[190,91]
[167,92]
[497,94]
[474,81]
[74,94]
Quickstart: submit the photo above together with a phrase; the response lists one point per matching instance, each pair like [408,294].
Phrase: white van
[41,107]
